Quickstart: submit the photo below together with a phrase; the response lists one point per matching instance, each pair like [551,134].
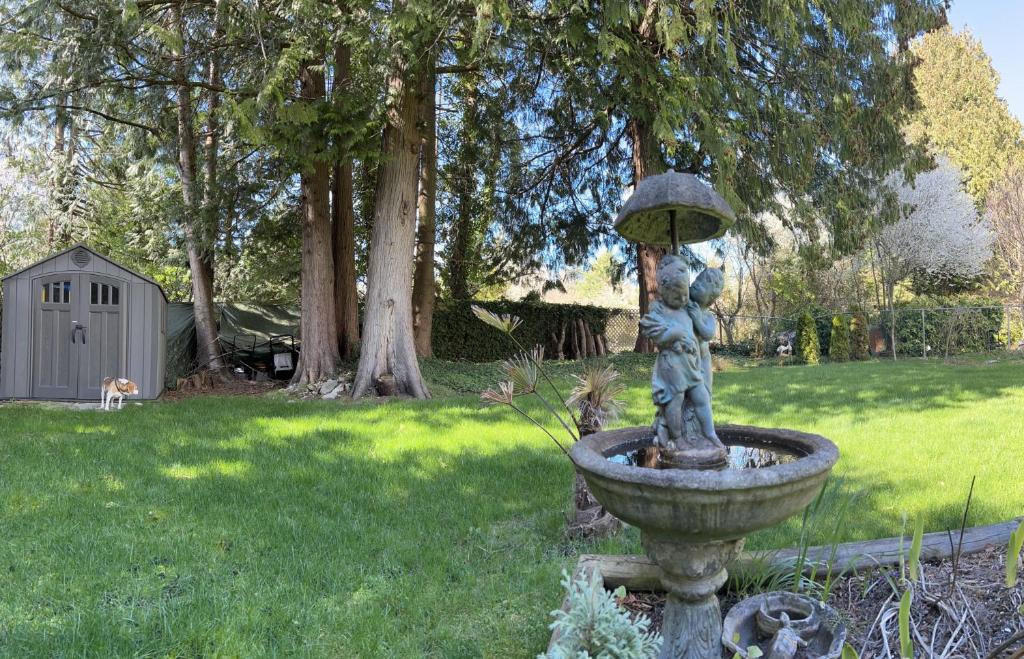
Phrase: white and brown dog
[116,388]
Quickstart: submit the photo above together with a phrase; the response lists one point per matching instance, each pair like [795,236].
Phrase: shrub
[968,324]
[839,341]
[595,626]
[859,336]
[807,349]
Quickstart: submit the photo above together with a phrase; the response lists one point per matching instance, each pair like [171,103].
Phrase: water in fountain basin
[741,456]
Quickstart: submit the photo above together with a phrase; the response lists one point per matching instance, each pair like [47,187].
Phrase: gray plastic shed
[75,318]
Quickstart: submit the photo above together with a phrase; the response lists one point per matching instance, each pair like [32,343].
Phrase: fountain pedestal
[691,575]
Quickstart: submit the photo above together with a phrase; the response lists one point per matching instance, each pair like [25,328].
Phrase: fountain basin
[692,522]
[704,505]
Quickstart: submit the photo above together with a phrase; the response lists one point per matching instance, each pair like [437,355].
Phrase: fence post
[1006,321]
[924,337]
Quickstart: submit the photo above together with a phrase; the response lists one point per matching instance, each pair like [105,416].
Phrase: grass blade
[849,652]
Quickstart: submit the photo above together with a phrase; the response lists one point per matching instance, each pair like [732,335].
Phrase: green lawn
[250,527]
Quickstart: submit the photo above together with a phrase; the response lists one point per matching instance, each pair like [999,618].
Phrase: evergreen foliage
[458,335]
[807,347]
[839,341]
[960,112]
[859,336]
[595,626]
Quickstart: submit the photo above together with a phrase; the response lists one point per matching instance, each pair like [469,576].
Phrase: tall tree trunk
[459,256]
[211,143]
[344,219]
[646,162]
[319,357]
[387,345]
[423,289]
[198,246]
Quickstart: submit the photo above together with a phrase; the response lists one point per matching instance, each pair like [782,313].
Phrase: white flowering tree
[939,235]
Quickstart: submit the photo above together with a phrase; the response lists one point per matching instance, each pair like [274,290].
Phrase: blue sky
[997,24]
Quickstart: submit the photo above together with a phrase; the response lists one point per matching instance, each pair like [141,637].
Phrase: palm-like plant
[596,398]
[593,402]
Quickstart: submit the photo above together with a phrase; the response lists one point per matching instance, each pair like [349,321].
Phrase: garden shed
[75,318]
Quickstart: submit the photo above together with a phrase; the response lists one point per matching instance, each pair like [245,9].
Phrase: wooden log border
[640,573]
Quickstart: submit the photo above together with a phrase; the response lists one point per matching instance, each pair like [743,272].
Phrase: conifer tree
[807,346]
[839,340]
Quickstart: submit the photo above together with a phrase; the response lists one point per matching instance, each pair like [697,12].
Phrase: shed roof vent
[81,257]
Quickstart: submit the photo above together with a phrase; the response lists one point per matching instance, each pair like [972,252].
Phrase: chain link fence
[919,332]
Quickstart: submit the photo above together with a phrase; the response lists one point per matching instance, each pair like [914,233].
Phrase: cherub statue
[678,372]
[704,290]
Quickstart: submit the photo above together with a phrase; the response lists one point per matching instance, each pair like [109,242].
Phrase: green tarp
[242,327]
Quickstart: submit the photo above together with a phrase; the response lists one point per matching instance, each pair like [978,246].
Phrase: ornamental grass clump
[839,341]
[595,626]
[807,347]
[859,336]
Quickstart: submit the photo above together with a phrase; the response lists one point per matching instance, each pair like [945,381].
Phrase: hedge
[459,335]
[973,329]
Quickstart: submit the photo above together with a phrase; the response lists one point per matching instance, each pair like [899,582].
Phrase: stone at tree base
[387,385]
[328,386]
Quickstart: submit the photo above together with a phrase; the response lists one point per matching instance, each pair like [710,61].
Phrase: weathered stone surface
[328,386]
[701,213]
[693,522]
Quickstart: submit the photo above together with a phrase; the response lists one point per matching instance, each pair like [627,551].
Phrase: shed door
[102,354]
[55,340]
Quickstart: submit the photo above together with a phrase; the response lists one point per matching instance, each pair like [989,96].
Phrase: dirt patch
[230,386]
[969,616]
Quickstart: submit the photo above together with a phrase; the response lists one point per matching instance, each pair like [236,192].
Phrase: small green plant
[914,565]
[807,347]
[849,652]
[595,626]
[859,336]
[839,342]
[906,645]
[1013,555]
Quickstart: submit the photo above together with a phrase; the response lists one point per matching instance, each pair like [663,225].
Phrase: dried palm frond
[522,370]
[596,397]
[505,323]
[505,394]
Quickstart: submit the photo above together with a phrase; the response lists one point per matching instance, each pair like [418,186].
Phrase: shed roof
[94,253]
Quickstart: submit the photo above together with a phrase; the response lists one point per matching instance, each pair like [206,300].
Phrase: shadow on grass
[256,527]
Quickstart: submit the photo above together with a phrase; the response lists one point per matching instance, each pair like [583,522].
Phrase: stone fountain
[679,480]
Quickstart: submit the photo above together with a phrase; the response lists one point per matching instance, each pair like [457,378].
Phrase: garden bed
[961,608]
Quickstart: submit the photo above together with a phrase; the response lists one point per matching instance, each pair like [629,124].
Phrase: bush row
[460,335]
[949,322]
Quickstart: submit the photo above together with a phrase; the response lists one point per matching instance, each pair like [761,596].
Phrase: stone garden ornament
[665,210]
[694,503]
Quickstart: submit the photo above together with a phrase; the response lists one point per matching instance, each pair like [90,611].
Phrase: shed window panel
[105,294]
[46,292]
[67,292]
[115,295]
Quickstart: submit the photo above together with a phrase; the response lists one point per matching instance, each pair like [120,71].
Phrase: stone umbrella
[673,208]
